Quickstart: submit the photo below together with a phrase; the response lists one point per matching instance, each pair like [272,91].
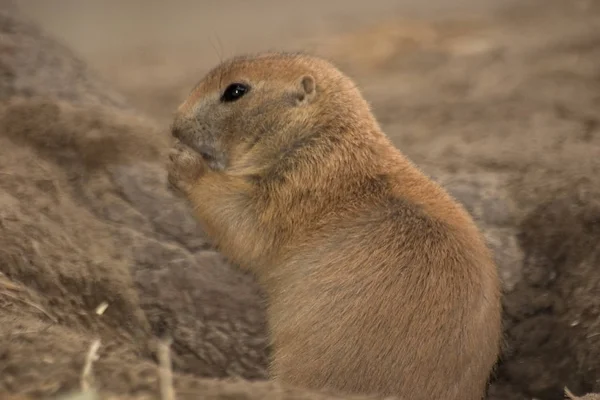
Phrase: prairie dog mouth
[182,140]
[206,152]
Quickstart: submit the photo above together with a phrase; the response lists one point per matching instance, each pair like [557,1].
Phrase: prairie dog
[377,280]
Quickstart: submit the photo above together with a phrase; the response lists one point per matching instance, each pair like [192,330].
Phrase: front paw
[184,169]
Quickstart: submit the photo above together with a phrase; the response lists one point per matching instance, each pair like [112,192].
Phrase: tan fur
[378,281]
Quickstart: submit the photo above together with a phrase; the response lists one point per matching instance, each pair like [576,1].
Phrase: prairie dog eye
[234,92]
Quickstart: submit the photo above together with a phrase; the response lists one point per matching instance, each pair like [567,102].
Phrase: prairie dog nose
[176,131]
[178,126]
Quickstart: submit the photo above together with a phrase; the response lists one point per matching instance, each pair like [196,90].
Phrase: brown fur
[378,281]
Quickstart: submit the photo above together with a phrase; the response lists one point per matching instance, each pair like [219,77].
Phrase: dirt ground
[497,100]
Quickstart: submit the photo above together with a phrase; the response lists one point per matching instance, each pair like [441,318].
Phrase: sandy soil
[497,100]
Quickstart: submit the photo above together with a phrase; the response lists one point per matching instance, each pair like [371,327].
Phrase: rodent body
[377,280]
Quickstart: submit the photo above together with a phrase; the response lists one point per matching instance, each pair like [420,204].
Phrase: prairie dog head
[249,109]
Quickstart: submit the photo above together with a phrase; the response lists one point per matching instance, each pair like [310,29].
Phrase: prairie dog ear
[307,90]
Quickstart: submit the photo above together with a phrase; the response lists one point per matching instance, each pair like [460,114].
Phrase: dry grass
[87,378]
[165,372]
[569,395]
[18,293]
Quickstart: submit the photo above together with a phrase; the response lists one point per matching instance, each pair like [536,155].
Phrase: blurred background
[158,49]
